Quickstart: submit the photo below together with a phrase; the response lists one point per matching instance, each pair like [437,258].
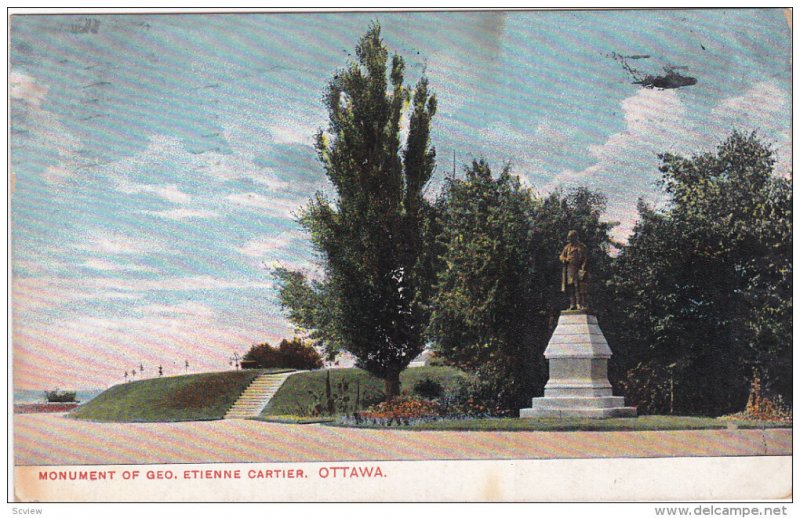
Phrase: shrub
[338,397]
[428,389]
[478,397]
[261,356]
[297,355]
[59,396]
[294,354]
[647,387]
[434,360]
[470,400]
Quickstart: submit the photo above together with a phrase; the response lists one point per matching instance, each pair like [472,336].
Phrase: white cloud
[185,308]
[179,214]
[224,167]
[117,244]
[250,199]
[110,266]
[765,108]
[526,150]
[44,126]
[277,206]
[759,104]
[627,162]
[289,130]
[269,179]
[504,135]
[30,295]
[270,245]
[191,283]
[25,88]
[657,121]
[169,192]
[149,166]
[33,294]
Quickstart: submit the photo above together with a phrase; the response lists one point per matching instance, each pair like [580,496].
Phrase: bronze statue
[575,276]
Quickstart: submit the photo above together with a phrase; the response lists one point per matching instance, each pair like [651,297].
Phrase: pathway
[52,439]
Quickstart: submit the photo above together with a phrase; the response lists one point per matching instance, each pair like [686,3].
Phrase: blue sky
[157,160]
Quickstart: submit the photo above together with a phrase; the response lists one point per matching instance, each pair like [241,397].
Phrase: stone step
[578,402]
[257,395]
[593,413]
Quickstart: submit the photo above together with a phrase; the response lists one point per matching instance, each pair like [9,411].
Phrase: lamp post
[234,360]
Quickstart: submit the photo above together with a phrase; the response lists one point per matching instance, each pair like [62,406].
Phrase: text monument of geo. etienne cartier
[577,353]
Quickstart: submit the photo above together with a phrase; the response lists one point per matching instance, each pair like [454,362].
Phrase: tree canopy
[703,289]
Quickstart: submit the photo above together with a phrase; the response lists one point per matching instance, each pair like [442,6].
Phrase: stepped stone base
[593,407]
[578,386]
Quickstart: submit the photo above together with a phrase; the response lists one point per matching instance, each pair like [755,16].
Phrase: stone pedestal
[577,355]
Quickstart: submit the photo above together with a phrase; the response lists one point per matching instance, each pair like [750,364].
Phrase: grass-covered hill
[194,397]
[208,396]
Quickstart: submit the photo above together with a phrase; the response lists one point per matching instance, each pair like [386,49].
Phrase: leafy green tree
[703,288]
[370,235]
[311,308]
[497,297]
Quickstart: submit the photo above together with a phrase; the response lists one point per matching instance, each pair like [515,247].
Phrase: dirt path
[52,439]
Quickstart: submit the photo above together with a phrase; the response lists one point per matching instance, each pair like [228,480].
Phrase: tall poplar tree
[370,235]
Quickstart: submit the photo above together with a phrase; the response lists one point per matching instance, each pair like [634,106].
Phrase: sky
[158,161]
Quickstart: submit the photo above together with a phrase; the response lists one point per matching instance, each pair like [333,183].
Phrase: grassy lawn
[293,419]
[195,397]
[297,395]
[751,424]
[642,423]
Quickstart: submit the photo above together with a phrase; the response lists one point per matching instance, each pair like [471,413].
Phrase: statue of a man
[575,276]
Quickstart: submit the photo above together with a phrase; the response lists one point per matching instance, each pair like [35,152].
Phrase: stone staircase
[256,396]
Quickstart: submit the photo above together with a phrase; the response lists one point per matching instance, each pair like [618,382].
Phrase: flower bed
[403,411]
[762,408]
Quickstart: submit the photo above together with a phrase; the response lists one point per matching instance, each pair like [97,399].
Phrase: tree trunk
[391,384]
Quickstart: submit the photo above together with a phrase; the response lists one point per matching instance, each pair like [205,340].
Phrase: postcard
[401,256]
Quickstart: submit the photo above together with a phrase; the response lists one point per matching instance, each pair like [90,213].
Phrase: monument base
[577,356]
[591,407]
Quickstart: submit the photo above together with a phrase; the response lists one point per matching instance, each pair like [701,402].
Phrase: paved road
[52,439]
